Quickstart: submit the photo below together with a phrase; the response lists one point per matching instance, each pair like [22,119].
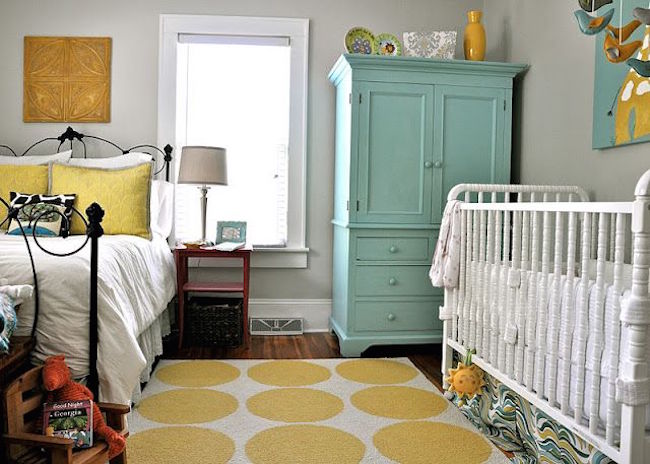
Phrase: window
[240,83]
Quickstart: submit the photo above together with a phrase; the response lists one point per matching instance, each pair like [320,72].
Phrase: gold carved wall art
[67,79]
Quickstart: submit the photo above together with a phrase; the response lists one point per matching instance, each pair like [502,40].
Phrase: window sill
[278,258]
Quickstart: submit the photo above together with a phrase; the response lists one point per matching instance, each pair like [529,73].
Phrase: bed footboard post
[95,215]
[168,160]
[633,385]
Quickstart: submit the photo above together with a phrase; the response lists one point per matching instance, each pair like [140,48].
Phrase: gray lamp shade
[203,166]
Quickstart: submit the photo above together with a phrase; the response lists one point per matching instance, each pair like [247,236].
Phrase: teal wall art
[622,84]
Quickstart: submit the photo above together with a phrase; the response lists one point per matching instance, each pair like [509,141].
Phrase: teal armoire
[407,130]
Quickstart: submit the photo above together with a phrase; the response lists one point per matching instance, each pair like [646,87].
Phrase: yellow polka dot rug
[329,411]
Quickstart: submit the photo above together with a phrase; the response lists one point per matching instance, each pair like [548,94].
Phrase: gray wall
[555,100]
[133,25]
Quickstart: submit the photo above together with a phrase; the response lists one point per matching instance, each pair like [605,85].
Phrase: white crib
[553,296]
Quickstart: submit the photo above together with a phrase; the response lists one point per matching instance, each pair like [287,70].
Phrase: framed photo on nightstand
[231,231]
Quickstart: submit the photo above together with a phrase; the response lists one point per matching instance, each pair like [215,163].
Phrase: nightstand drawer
[399,248]
[382,316]
[394,281]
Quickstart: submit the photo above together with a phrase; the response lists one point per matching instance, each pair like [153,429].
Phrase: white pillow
[127,160]
[162,207]
[62,157]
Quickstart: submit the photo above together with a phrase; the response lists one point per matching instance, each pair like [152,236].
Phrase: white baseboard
[316,313]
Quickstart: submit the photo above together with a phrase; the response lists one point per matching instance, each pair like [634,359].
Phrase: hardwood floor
[310,346]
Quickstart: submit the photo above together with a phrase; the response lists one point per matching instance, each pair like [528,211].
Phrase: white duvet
[136,281]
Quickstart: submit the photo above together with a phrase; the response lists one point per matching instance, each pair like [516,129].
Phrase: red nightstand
[185,286]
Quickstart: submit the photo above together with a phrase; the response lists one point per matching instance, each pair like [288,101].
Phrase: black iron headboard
[70,135]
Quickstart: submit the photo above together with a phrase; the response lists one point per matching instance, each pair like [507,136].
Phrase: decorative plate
[360,40]
[388,44]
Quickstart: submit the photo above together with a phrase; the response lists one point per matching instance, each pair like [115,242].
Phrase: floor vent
[276,326]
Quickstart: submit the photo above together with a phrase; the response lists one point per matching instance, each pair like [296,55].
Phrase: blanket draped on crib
[446,259]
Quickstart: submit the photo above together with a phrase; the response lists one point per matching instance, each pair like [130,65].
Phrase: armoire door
[469,143]
[395,153]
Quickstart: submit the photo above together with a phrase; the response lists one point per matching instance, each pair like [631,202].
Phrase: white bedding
[136,281]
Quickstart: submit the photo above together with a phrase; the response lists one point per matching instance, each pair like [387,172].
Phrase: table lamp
[203,166]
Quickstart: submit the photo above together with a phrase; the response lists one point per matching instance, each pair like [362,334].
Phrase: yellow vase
[474,41]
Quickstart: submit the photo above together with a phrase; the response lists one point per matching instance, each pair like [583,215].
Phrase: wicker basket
[213,321]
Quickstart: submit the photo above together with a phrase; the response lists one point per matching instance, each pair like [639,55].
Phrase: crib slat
[483,276]
[460,302]
[468,269]
[567,317]
[488,279]
[496,282]
[522,307]
[463,323]
[503,313]
[475,280]
[582,322]
[612,238]
[596,322]
[542,308]
[554,326]
[513,286]
[594,236]
[614,323]
[531,326]
[481,280]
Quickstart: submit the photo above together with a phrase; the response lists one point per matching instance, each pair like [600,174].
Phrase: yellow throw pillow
[25,178]
[122,193]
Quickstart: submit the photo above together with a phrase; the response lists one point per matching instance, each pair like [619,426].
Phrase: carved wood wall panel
[67,79]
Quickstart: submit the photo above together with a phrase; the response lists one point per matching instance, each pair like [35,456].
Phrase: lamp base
[204,209]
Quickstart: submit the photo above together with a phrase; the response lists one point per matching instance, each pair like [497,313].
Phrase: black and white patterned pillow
[47,207]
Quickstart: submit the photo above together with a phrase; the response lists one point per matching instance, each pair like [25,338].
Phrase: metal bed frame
[94,230]
[70,135]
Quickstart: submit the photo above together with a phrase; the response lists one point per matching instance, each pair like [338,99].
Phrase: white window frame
[294,255]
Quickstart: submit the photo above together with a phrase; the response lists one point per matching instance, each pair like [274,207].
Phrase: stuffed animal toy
[60,387]
[466,380]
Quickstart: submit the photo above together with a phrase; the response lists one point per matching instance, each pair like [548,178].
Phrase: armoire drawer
[400,248]
[393,281]
[382,316]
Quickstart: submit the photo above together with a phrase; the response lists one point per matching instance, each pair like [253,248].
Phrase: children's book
[229,246]
[70,419]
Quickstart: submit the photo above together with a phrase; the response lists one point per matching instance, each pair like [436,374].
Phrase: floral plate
[388,44]
[360,40]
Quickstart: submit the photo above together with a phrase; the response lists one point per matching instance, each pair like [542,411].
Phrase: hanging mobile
[641,67]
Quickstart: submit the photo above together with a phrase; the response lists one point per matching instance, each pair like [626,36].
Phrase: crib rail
[572,192]
[553,296]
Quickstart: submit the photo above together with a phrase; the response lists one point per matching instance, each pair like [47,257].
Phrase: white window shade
[237,97]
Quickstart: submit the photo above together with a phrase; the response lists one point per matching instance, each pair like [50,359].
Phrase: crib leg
[447,353]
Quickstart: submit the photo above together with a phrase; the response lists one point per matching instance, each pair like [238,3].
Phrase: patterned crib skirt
[514,425]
